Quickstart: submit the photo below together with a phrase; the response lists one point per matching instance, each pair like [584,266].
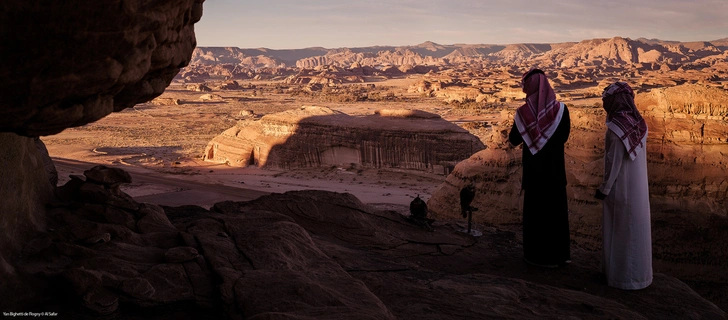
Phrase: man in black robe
[542,124]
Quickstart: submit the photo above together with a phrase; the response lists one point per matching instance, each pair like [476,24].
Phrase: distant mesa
[451,90]
[329,75]
[593,52]
[429,45]
[314,136]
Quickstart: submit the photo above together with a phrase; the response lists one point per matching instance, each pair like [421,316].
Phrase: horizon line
[456,44]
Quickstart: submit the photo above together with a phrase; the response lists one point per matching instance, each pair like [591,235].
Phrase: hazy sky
[291,24]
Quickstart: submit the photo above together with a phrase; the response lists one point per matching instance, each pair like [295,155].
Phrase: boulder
[70,69]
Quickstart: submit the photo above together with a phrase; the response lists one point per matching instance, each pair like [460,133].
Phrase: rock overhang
[70,63]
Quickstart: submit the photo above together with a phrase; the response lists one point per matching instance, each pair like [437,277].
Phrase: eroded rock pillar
[25,189]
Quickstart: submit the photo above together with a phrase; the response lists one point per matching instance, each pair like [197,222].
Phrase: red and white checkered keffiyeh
[539,117]
[623,118]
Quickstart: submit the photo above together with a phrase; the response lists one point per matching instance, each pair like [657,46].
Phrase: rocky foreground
[304,255]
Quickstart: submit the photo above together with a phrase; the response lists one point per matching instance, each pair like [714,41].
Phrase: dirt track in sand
[242,184]
[153,187]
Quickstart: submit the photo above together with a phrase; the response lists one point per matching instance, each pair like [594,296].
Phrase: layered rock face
[687,171]
[689,141]
[317,136]
[686,146]
[69,63]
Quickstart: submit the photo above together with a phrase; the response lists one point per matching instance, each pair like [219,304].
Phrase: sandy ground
[211,183]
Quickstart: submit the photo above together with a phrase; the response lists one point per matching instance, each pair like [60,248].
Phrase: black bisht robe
[546,239]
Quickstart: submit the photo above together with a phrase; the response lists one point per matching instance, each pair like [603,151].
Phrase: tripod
[469,212]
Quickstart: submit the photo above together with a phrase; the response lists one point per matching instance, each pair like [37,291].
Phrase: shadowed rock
[111,177]
[321,255]
[66,64]
[69,69]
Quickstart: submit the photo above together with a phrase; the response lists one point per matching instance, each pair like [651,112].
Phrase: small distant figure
[467,194]
[418,213]
[627,241]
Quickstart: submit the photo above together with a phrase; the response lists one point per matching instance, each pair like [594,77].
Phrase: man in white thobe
[627,241]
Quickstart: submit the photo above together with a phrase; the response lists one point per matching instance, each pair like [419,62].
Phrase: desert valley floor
[168,141]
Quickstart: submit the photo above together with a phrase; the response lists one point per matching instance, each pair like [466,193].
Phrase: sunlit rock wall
[316,136]
[687,168]
[688,147]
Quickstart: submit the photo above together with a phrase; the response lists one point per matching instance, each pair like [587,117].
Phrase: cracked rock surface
[307,255]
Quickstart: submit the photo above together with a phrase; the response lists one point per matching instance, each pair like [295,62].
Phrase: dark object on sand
[418,208]
[418,213]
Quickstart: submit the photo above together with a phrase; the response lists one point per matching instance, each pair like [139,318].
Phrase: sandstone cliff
[686,147]
[687,173]
[317,136]
[688,142]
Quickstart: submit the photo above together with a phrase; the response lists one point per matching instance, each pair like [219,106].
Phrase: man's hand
[599,195]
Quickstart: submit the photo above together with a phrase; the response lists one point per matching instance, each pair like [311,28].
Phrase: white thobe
[627,239]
